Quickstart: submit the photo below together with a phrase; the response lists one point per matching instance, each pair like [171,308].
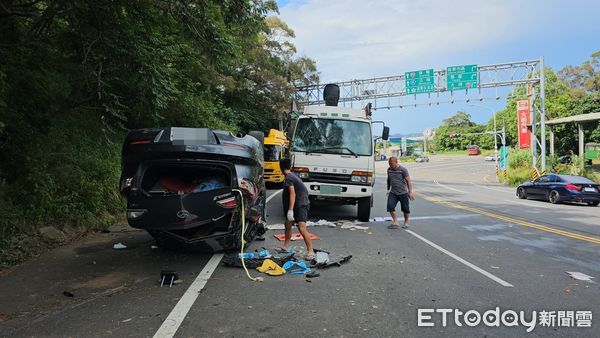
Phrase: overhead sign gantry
[453,84]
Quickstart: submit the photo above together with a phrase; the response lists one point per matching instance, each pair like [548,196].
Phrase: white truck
[333,153]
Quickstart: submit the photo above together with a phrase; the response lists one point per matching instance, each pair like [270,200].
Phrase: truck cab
[333,153]
[276,147]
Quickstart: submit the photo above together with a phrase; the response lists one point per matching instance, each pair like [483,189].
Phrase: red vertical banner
[522,121]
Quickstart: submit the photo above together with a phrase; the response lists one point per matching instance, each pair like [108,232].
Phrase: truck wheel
[364,209]
[259,135]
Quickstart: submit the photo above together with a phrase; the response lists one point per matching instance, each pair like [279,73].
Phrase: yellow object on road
[271,268]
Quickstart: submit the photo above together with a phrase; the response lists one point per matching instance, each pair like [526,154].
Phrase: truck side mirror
[386,133]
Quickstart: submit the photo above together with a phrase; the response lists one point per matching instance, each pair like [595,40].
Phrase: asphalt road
[472,245]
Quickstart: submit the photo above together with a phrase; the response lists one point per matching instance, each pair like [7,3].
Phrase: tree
[76,75]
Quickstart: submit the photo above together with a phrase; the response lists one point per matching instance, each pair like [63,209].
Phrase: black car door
[538,188]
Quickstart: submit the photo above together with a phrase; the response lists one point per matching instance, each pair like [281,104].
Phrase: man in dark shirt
[295,208]
[399,189]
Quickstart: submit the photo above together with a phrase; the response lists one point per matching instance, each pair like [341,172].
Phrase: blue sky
[356,39]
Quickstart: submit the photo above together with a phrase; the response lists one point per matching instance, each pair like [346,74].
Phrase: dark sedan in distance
[561,188]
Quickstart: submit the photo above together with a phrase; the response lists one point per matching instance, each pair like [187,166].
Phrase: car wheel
[593,203]
[554,197]
[521,193]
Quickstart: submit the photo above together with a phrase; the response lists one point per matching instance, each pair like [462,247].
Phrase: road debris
[335,263]
[68,294]
[271,268]
[381,219]
[321,257]
[580,276]
[321,222]
[119,246]
[275,227]
[313,274]
[296,236]
[169,277]
[296,268]
[233,260]
[352,226]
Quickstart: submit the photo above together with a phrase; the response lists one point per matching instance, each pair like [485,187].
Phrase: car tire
[554,197]
[593,203]
[364,209]
[521,193]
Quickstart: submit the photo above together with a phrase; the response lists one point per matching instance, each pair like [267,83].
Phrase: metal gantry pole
[496,146]
[542,114]
[504,159]
[533,113]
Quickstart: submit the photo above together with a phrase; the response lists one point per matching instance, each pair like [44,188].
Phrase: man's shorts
[393,199]
[300,213]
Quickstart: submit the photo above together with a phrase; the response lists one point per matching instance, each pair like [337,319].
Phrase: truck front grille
[329,178]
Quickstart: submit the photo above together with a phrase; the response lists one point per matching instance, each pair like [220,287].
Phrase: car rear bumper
[580,197]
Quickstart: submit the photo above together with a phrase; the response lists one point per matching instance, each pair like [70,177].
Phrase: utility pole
[495,137]
[504,159]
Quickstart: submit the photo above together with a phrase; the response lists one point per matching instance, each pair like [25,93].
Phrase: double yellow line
[589,239]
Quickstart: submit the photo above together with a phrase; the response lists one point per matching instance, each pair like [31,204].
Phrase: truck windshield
[331,136]
[272,153]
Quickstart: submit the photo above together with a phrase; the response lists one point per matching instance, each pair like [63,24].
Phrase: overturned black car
[185,186]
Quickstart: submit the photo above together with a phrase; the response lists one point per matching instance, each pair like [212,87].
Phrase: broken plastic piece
[321,257]
[119,246]
[354,227]
[313,274]
[580,276]
[169,276]
[296,268]
[335,263]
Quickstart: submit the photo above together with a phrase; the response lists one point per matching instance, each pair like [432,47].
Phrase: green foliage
[461,123]
[517,176]
[76,75]
[520,159]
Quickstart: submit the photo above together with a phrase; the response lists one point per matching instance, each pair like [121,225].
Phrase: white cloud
[357,38]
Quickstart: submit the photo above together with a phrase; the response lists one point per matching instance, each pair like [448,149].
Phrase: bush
[517,176]
[519,159]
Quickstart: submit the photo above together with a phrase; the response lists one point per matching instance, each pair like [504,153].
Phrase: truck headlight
[359,179]
[301,172]
[363,177]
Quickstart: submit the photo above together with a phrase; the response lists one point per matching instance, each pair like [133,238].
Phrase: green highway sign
[462,77]
[419,81]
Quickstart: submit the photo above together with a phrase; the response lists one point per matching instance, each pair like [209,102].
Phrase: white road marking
[471,265]
[495,189]
[179,312]
[450,188]
[273,195]
[534,204]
